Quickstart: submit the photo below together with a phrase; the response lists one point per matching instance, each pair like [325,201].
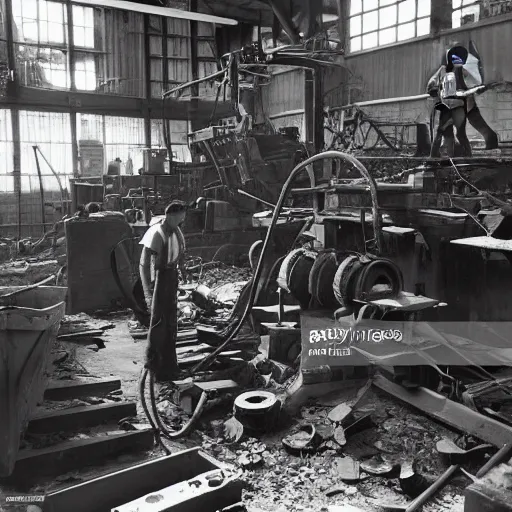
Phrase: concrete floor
[123,357]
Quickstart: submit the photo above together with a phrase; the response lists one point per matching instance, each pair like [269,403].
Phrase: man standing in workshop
[162,254]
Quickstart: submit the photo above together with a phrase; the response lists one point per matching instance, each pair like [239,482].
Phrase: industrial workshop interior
[255,255]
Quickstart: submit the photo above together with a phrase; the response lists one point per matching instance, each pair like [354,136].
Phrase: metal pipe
[41,189]
[194,82]
[57,177]
[242,192]
[285,21]
[383,101]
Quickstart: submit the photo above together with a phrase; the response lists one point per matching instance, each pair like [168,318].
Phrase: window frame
[382,4]
[473,3]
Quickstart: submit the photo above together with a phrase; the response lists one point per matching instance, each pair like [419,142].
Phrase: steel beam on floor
[451,413]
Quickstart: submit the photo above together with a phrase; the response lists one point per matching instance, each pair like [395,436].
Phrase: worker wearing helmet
[454,87]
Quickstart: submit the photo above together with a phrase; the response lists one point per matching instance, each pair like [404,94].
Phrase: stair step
[68,389]
[77,454]
[76,418]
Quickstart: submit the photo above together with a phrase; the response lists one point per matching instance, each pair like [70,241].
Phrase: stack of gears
[327,281]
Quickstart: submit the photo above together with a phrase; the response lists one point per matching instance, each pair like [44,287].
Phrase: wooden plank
[451,413]
[70,455]
[81,334]
[192,360]
[69,389]
[106,492]
[79,417]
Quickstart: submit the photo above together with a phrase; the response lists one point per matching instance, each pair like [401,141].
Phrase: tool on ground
[501,456]
[457,455]
[418,502]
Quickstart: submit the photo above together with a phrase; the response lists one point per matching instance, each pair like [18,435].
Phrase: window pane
[470,14]
[387,2]
[467,2]
[406,11]
[356,6]
[155,45]
[370,21]
[89,37]
[79,36]
[355,44]
[423,8]
[456,3]
[43,32]
[406,31]
[355,26]
[456,19]
[370,4]
[423,27]
[55,12]
[56,33]
[387,16]
[85,75]
[387,36]
[370,40]
[156,69]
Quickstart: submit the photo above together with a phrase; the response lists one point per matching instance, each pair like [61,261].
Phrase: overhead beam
[253,13]
[158,11]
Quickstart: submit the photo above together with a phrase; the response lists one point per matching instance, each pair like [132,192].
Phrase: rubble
[304,440]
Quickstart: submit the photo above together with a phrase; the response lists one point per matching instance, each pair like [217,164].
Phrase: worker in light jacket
[162,254]
[454,86]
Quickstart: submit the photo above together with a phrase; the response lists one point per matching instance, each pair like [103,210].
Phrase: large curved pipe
[282,197]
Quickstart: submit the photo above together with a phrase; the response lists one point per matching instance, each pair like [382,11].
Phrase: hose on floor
[153,415]
[154,418]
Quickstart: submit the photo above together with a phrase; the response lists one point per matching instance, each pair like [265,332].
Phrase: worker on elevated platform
[455,85]
[162,254]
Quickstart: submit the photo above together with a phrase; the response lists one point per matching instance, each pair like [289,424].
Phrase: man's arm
[433,83]
[145,274]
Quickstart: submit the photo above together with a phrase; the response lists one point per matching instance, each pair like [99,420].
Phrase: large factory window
[380,22]
[465,11]
[102,139]
[40,35]
[206,56]
[5,143]
[108,47]
[125,139]
[51,132]
[169,49]
[4,65]
[88,46]
[178,133]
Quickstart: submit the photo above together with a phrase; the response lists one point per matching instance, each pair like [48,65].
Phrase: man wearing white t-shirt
[163,252]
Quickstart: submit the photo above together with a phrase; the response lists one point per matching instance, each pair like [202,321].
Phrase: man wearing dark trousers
[455,85]
[162,254]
